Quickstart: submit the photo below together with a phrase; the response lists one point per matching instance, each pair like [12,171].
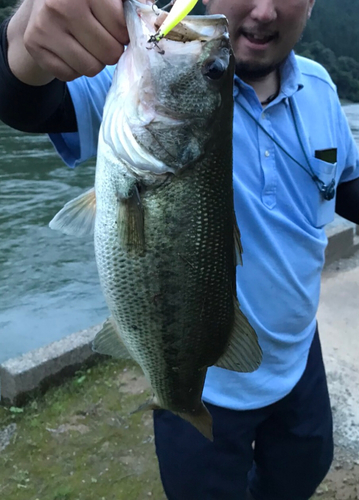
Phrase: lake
[49,286]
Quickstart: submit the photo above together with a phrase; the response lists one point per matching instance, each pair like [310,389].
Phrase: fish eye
[214,69]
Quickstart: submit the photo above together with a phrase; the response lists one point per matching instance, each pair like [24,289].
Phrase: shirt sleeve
[351,158]
[88,97]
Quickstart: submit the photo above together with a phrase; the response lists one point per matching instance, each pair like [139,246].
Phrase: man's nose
[264,11]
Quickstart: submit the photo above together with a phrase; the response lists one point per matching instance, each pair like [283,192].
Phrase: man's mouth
[259,38]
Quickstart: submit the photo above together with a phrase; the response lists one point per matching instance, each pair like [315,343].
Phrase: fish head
[167,98]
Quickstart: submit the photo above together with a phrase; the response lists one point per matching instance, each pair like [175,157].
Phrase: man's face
[263,32]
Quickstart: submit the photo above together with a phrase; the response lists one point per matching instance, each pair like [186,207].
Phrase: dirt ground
[342,482]
[80,442]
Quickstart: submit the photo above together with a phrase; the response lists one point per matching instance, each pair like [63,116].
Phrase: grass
[79,441]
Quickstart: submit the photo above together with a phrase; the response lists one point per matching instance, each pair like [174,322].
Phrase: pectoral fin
[77,217]
[130,220]
[243,353]
[108,341]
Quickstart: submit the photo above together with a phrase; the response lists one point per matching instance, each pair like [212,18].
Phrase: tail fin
[201,420]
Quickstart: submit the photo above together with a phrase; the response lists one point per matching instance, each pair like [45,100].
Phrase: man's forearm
[347,204]
[45,108]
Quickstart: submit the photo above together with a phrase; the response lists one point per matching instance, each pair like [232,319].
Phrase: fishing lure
[179,11]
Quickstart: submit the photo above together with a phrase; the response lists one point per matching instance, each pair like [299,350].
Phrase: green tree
[335,24]
[5,13]
[7,3]
[343,70]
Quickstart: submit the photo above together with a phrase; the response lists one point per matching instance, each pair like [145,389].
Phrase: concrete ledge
[342,240]
[36,369]
[50,364]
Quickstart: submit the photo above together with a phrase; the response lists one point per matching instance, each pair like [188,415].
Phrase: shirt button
[267,153]
[263,116]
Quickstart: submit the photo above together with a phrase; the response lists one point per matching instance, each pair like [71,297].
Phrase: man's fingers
[109,14]
[57,67]
[66,61]
[99,42]
[84,35]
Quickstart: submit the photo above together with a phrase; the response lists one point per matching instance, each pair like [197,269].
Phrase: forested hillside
[6,7]
[335,23]
[331,38]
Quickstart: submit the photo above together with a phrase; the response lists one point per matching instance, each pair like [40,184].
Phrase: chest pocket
[321,210]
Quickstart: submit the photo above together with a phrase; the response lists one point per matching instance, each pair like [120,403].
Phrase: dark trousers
[292,453]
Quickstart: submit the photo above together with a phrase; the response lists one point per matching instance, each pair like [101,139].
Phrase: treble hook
[172,2]
[154,43]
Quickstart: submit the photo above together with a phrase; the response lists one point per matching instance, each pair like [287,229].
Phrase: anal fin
[243,353]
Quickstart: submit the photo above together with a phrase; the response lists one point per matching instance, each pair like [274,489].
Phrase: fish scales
[169,302]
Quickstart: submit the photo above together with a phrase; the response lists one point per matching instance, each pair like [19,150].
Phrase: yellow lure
[180,10]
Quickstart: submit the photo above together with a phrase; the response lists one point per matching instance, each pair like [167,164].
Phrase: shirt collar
[290,76]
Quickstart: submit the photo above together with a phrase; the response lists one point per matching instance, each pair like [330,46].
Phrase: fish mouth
[258,37]
[142,107]
[142,22]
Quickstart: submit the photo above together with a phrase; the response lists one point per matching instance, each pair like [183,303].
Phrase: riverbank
[79,442]
[49,283]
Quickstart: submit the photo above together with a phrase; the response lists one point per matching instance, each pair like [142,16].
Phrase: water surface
[48,282]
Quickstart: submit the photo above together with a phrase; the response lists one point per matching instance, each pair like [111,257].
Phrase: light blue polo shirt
[280,213]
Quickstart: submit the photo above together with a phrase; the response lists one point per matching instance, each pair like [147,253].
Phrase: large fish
[166,239]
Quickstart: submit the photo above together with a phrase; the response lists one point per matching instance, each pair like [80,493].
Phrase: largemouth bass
[166,238]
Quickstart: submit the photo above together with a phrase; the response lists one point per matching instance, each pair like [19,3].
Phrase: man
[291,145]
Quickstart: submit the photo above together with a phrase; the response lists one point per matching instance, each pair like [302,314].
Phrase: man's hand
[65,39]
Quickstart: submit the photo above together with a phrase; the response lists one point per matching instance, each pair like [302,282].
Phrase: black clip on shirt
[28,108]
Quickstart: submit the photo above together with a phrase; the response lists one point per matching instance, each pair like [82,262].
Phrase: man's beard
[248,71]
